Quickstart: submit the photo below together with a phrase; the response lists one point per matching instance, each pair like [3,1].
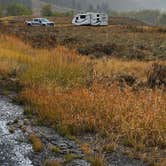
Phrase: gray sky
[137,4]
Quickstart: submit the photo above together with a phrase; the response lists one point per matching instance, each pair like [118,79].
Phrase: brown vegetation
[157,77]
[77,95]
[130,41]
[36,143]
[51,163]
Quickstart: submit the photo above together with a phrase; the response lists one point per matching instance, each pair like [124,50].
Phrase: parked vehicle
[89,18]
[39,22]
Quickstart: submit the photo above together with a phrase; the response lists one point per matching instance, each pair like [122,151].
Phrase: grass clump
[85,149]
[69,157]
[36,143]
[51,163]
[96,161]
[53,148]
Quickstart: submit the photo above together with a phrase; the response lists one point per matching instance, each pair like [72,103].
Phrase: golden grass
[53,148]
[36,143]
[51,163]
[138,117]
[69,157]
[114,66]
[57,66]
[55,88]
[85,149]
[96,161]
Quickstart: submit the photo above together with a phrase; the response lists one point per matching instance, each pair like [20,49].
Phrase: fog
[122,5]
[136,4]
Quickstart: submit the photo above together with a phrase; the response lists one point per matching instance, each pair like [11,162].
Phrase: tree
[148,16]
[1,11]
[18,9]
[5,3]
[46,10]
[162,19]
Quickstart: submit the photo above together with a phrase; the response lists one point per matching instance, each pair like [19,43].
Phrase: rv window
[76,18]
[83,16]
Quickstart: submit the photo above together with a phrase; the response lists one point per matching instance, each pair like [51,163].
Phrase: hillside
[101,87]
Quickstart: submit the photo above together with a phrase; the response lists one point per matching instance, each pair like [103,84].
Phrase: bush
[46,11]
[162,19]
[1,11]
[157,76]
[63,14]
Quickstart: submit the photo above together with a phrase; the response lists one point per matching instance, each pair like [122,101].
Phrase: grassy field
[129,41]
[78,94]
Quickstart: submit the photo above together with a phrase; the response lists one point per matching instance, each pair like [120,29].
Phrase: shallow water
[14,149]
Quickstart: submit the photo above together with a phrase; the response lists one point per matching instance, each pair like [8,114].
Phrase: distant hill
[126,21]
[37,5]
[81,5]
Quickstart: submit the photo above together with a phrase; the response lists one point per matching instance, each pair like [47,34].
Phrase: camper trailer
[94,19]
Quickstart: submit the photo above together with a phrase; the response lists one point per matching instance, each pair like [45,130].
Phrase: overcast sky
[137,4]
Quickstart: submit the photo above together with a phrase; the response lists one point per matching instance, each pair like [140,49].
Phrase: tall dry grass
[113,66]
[55,89]
[138,117]
[58,66]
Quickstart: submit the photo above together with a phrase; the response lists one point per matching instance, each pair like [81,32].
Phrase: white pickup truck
[39,22]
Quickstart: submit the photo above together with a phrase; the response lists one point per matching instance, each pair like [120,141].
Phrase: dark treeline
[86,5]
[15,7]
[5,3]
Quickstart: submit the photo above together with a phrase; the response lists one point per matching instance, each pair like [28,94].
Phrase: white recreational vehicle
[88,18]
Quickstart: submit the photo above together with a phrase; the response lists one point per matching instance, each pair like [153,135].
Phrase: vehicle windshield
[44,20]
